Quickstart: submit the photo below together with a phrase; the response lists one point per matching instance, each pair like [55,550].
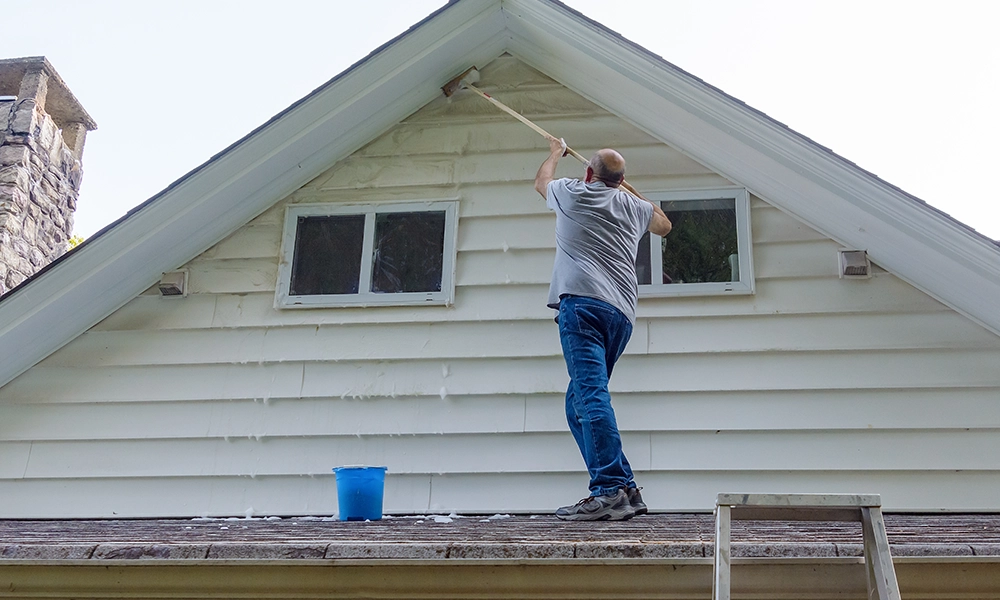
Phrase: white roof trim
[919,244]
[914,241]
[208,204]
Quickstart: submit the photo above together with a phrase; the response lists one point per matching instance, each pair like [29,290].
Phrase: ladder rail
[723,560]
[878,555]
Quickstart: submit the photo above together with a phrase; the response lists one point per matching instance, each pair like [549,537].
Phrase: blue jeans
[593,335]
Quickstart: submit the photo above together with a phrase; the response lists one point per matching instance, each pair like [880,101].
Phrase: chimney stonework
[42,133]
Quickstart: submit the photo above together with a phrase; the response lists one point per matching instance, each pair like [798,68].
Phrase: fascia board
[242,182]
[912,240]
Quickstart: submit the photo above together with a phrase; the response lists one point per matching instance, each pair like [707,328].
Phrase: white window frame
[365,297]
[658,289]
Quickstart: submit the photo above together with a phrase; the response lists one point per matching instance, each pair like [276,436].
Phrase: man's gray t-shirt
[597,235]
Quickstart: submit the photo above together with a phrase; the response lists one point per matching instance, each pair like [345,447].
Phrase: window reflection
[702,247]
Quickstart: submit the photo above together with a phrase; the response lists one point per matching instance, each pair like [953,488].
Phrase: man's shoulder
[568,183]
[561,191]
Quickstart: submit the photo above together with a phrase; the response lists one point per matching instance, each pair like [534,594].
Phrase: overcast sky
[907,90]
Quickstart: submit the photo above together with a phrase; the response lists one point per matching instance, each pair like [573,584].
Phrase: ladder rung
[804,500]
[796,513]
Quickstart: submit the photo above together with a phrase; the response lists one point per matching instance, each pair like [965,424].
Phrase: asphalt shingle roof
[498,537]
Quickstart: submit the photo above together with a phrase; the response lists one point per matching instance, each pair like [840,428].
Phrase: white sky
[906,89]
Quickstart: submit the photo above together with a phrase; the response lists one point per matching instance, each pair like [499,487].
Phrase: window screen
[327,255]
[368,254]
[409,251]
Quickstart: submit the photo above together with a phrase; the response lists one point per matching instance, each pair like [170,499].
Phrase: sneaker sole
[612,516]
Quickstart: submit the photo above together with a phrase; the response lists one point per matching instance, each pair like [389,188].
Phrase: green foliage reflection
[703,239]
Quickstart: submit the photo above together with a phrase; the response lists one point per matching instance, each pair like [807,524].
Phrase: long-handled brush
[471,76]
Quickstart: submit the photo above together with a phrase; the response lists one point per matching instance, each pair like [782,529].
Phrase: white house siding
[218,404]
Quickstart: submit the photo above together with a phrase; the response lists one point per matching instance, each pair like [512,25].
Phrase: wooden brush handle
[510,111]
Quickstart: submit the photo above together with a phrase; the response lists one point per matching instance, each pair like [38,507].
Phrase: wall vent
[854,264]
[173,284]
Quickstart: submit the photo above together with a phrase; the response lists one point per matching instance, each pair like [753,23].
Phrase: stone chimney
[42,131]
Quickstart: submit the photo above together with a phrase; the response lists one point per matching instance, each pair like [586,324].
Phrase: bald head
[608,166]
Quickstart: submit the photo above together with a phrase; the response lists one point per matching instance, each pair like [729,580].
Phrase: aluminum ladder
[866,508]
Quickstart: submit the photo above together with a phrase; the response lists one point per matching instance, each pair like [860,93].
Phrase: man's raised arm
[547,172]
[660,224]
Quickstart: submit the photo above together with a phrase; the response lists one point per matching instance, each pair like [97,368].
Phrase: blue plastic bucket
[359,492]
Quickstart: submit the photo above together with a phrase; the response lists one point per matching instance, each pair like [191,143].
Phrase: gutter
[517,578]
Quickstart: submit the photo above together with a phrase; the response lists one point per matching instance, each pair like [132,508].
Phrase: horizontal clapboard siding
[526,338]
[360,378]
[260,454]
[464,493]
[813,410]
[218,404]
[515,302]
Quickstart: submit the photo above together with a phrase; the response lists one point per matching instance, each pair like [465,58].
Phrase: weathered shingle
[475,537]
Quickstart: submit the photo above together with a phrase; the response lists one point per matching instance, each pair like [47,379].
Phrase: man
[598,228]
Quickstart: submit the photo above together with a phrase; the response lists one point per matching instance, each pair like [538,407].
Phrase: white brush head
[466,79]
[471,77]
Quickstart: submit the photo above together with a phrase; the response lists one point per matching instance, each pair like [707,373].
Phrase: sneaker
[635,500]
[599,508]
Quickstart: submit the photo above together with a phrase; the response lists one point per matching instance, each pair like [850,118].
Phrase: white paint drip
[505,246]
[445,370]
[444,393]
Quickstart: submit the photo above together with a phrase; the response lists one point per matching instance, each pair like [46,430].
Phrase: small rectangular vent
[854,264]
[173,283]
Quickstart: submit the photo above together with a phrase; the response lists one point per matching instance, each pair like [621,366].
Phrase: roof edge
[242,181]
[924,246]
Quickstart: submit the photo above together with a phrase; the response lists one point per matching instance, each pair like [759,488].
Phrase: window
[708,250]
[373,254]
